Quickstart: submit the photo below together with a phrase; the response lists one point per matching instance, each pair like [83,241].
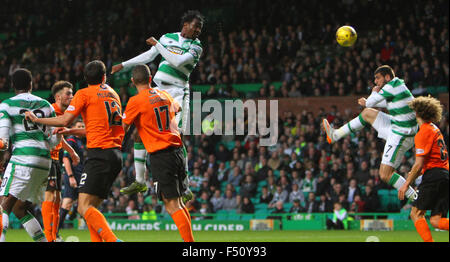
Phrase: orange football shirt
[430,144]
[152,111]
[54,154]
[100,107]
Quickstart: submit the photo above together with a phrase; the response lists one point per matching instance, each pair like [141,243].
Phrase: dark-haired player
[63,93]
[397,128]
[27,172]
[101,109]
[180,53]
[432,163]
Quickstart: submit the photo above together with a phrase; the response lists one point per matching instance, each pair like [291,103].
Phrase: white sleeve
[174,59]
[375,99]
[143,58]
[382,103]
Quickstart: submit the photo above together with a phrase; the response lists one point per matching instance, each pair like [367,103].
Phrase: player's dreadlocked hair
[427,107]
[191,15]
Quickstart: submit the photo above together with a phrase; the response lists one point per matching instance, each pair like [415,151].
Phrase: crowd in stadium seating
[257,49]
[295,46]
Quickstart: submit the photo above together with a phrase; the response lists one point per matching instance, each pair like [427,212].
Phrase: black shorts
[101,169]
[433,192]
[168,172]
[70,192]
[54,177]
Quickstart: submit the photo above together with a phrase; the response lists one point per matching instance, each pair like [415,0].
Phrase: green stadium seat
[287,206]
[261,206]
[247,216]
[222,214]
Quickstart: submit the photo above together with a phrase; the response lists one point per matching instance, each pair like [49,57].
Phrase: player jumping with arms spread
[180,53]
[398,127]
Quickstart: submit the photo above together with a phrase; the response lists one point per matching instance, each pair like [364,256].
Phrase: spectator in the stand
[296,194]
[247,206]
[324,205]
[235,177]
[229,202]
[352,190]
[280,195]
[248,188]
[309,183]
[266,196]
[297,207]
[310,203]
[370,199]
[217,200]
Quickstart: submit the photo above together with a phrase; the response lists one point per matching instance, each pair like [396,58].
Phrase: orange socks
[55,222]
[95,237]
[98,225]
[186,211]
[423,230]
[47,219]
[443,224]
[184,225]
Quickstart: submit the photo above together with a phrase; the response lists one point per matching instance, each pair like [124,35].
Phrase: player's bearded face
[380,80]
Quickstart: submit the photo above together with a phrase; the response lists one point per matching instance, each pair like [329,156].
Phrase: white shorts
[396,145]
[181,96]
[25,183]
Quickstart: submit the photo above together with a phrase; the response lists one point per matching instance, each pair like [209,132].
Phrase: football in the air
[346,36]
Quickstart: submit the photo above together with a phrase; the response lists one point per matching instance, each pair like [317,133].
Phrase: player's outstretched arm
[80,132]
[143,58]
[174,59]
[59,121]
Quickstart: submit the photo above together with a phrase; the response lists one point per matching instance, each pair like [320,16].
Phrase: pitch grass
[19,235]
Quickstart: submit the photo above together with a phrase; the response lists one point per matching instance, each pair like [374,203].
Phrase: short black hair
[385,70]
[94,72]
[60,85]
[21,79]
[190,15]
[141,75]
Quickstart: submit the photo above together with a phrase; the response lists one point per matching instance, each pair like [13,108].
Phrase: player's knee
[172,205]
[369,114]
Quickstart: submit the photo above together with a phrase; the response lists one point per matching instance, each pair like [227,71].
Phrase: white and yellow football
[346,36]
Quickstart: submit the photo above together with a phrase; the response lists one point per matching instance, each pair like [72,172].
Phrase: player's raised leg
[367,116]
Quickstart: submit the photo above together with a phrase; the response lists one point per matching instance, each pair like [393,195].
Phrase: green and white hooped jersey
[30,142]
[177,44]
[397,96]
